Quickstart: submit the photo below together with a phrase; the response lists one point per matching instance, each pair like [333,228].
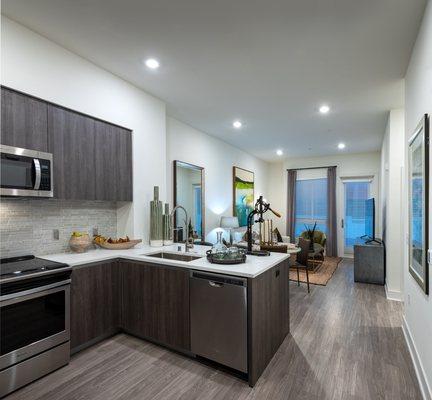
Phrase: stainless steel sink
[174,256]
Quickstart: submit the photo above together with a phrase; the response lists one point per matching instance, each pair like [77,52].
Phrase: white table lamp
[229,223]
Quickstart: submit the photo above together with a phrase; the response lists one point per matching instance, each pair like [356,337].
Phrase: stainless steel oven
[26,172]
[35,328]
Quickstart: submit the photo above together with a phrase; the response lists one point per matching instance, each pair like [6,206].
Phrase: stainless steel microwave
[27,173]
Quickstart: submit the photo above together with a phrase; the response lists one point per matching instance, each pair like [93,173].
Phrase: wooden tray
[119,246]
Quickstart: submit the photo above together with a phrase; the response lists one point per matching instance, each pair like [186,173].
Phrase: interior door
[354,217]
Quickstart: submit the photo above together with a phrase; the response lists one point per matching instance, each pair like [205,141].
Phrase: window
[311,205]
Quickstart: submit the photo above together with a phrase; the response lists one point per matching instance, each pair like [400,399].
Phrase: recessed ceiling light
[152,63]
[324,109]
[279,152]
[341,146]
[237,124]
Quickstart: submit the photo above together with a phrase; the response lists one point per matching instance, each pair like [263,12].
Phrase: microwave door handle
[37,168]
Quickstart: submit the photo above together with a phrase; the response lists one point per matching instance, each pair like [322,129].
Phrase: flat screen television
[370,220]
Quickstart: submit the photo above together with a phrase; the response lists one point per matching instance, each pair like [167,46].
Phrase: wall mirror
[189,193]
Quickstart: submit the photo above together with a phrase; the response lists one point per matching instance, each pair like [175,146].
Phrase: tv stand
[369,262]
[369,241]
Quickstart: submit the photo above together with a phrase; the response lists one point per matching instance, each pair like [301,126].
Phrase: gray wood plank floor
[346,342]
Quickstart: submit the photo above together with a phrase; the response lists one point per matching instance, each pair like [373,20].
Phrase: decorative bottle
[167,227]
[156,220]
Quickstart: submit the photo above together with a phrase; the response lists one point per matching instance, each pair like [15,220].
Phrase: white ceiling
[268,63]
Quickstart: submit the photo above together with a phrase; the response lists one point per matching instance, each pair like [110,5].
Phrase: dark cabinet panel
[95,303]
[113,162]
[124,165]
[23,121]
[72,141]
[156,303]
[268,313]
[105,161]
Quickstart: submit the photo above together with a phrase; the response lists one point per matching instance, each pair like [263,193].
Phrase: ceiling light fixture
[341,146]
[237,124]
[152,63]
[279,152]
[324,109]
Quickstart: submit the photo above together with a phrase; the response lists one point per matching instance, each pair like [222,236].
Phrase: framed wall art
[243,194]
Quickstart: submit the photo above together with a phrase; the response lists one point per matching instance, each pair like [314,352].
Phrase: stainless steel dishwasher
[218,312]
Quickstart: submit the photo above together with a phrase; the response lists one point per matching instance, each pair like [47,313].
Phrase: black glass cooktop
[26,265]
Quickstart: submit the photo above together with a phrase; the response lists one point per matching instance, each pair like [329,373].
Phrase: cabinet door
[23,121]
[71,139]
[105,161]
[95,303]
[113,162]
[156,303]
[124,165]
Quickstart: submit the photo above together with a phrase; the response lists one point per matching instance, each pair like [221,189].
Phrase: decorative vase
[79,242]
[156,222]
[167,227]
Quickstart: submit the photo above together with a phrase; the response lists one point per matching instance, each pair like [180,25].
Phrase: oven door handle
[33,293]
[37,168]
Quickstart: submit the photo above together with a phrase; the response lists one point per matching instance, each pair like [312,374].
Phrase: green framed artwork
[243,194]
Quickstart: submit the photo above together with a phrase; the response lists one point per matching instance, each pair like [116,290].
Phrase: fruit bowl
[119,246]
[115,244]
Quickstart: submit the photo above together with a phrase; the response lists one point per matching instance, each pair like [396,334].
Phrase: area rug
[321,276]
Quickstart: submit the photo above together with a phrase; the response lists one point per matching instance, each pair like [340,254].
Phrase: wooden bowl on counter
[119,246]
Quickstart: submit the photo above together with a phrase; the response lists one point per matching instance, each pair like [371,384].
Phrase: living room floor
[346,342]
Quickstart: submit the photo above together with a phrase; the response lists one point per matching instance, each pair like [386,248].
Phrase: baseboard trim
[418,366]
[393,294]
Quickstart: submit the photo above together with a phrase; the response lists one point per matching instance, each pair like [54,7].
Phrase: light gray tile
[26,225]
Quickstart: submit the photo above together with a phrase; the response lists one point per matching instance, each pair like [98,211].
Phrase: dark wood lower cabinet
[95,303]
[156,303]
[268,317]
[151,301]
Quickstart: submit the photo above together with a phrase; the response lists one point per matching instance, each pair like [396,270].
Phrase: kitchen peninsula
[139,292]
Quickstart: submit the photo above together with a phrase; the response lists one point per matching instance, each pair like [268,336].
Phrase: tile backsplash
[27,225]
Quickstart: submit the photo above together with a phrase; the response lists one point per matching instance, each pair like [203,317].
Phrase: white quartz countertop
[253,266]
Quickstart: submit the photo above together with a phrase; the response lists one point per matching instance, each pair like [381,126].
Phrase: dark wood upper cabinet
[23,121]
[92,159]
[71,138]
[156,303]
[95,303]
[124,165]
[113,162]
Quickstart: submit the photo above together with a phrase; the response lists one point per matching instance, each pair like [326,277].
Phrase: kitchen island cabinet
[150,298]
[156,303]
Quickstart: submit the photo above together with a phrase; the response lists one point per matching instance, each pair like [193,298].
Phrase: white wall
[392,164]
[37,66]
[418,101]
[187,144]
[348,165]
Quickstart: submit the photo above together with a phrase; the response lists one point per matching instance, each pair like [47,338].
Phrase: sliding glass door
[354,221]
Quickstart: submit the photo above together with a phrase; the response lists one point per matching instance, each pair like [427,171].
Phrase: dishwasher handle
[219,280]
[215,284]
